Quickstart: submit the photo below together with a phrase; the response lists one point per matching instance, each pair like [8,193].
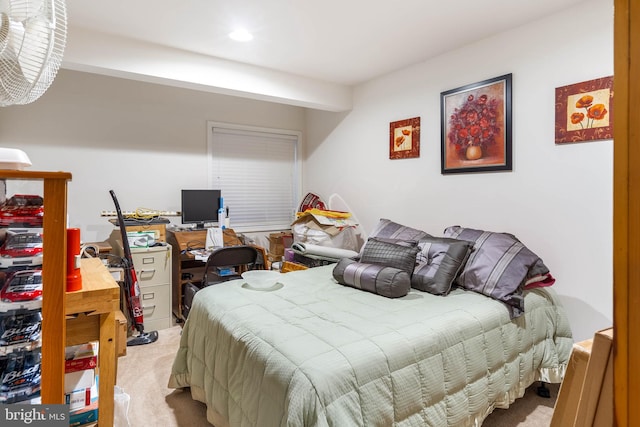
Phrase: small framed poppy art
[476,127]
[584,111]
[404,139]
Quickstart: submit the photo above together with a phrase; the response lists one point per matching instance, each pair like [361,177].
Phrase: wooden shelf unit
[54,271]
[92,312]
[92,315]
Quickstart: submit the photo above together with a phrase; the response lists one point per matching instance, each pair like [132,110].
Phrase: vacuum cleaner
[131,288]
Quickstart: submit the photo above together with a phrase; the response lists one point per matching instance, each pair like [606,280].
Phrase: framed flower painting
[404,139]
[476,127]
[584,111]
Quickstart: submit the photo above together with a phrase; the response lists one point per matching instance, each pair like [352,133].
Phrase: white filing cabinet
[153,270]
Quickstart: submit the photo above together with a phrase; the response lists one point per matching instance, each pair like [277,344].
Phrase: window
[258,172]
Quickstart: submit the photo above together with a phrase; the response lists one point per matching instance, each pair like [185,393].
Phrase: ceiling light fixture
[241,35]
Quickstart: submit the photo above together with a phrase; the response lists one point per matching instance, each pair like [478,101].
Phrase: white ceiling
[331,43]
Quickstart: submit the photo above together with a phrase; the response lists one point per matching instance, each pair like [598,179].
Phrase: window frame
[296,167]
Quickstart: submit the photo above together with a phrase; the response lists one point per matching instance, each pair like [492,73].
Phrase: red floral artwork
[404,139]
[476,127]
[594,112]
[584,111]
[475,123]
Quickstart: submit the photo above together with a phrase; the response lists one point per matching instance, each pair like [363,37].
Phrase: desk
[185,263]
[92,314]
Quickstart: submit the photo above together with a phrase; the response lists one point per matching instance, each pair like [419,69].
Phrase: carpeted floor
[143,374]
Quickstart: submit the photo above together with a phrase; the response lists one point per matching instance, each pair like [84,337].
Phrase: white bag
[309,229]
[120,408]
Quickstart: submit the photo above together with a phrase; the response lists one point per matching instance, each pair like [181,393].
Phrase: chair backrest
[238,257]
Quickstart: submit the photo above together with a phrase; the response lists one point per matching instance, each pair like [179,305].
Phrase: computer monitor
[200,206]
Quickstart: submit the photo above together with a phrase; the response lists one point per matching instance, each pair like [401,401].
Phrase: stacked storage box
[81,383]
[20,337]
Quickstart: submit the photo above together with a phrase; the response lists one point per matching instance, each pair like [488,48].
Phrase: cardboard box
[288,266]
[586,394]
[80,369]
[596,398]
[141,239]
[566,407]
[159,230]
[274,259]
[138,236]
[81,357]
[278,242]
[89,412]
[79,381]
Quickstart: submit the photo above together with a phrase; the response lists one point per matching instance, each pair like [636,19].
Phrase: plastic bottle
[221,214]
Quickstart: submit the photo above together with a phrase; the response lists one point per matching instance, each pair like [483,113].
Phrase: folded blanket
[323,252]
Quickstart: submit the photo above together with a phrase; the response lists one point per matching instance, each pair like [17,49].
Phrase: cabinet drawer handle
[148,273]
[149,307]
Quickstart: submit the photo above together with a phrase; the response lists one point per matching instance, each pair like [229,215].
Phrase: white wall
[147,141]
[144,141]
[557,199]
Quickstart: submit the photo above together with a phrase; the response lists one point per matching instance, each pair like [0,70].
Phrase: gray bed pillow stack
[498,267]
[494,264]
[438,261]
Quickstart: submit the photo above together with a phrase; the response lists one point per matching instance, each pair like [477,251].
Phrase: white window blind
[258,173]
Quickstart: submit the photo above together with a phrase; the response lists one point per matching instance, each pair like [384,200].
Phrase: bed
[317,353]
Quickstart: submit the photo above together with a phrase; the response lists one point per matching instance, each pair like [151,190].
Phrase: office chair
[228,263]
[224,264]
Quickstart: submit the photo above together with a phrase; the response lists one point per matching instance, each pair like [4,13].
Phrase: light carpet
[144,372]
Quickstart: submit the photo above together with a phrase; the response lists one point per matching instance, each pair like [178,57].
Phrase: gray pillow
[438,263]
[392,230]
[386,281]
[401,255]
[498,266]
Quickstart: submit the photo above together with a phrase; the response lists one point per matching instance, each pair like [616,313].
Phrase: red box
[81,357]
[80,364]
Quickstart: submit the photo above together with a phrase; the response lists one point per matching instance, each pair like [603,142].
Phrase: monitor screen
[200,206]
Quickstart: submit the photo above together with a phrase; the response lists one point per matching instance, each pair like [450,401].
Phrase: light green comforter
[315,353]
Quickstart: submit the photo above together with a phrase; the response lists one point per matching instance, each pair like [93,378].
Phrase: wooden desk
[185,263]
[92,315]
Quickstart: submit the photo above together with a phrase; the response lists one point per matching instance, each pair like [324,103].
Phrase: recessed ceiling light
[241,35]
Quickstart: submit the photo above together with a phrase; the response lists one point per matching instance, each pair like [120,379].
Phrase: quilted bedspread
[315,353]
